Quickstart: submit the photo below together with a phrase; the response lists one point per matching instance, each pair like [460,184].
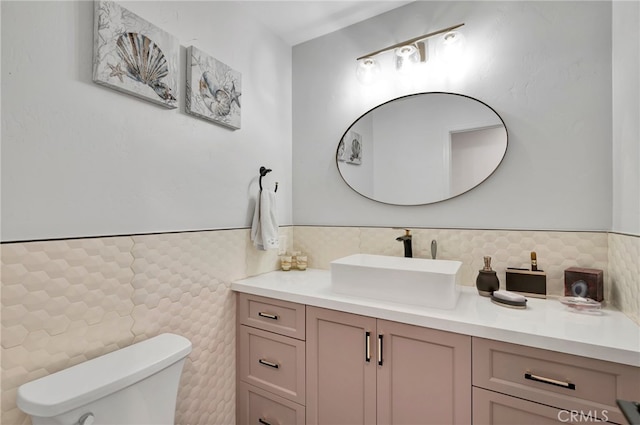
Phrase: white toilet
[136,385]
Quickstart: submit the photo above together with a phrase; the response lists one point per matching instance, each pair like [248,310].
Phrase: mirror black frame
[418,94]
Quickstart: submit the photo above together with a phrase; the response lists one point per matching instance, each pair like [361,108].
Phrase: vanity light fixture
[408,53]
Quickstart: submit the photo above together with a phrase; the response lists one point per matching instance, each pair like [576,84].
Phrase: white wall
[545,67]
[410,152]
[474,155]
[626,117]
[79,159]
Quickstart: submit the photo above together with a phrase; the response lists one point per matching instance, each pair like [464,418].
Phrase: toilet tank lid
[83,383]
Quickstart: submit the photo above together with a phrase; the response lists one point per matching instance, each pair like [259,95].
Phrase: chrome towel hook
[263,172]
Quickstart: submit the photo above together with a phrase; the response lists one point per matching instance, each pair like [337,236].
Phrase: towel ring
[263,172]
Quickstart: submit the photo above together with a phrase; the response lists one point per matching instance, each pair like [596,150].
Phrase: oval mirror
[422,148]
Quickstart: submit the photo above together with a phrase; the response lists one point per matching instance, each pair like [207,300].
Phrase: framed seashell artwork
[133,56]
[353,151]
[213,89]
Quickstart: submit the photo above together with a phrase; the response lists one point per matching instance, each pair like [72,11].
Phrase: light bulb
[406,58]
[367,70]
[453,47]
[453,40]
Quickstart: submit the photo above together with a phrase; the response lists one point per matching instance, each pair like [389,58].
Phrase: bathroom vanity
[309,355]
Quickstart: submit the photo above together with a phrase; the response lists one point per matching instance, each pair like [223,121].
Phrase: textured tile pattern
[556,251]
[324,244]
[181,285]
[624,269]
[64,302]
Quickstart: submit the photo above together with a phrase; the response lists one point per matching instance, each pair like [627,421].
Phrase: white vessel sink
[418,281]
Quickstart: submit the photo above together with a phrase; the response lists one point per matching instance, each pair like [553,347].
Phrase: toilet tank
[135,385]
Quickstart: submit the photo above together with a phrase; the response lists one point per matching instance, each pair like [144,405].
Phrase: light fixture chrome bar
[411,41]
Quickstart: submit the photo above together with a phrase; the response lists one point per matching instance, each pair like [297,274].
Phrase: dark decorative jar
[487,280]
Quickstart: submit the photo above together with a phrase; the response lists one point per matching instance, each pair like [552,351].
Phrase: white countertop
[545,323]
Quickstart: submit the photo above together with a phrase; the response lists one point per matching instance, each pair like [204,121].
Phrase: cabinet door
[491,408]
[272,362]
[562,380]
[341,378]
[425,376]
[259,407]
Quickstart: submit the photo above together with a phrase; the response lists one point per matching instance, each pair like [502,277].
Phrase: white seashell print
[216,98]
[213,89]
[133,56]
[144,62]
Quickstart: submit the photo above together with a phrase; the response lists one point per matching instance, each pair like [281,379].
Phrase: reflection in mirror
[422,148]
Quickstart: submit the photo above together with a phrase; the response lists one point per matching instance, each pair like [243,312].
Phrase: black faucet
[406,239]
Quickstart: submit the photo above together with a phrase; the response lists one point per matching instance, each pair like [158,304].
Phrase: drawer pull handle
[268,315]
[367,347]
[263,422]
[550,381]
[379,350]
[268,363]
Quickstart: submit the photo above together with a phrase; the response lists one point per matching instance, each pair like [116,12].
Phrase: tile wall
[67,301]
[556,251]
[624,273]
[64,302]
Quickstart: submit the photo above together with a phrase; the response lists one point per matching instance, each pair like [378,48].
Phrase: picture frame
[213,89]
[133,56]
[353,148]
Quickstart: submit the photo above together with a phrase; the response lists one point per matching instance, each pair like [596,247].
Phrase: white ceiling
[297,21]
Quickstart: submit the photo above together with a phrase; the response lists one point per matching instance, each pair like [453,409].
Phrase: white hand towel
[264,229]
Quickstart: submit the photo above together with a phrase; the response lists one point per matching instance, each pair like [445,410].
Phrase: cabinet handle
[268,363]
[263,422]
[379,350]
[268,315]
[367,347]
[549,381]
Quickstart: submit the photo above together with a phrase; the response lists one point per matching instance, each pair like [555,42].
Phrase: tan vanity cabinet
[271,361]
[577,386]
[362,370]
[300,364]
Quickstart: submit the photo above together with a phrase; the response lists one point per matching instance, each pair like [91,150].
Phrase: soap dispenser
[487,280]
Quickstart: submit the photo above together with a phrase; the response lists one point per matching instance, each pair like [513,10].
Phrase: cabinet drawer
[556,379]
[282,317]
[273,362]
[491,408]
[259,407]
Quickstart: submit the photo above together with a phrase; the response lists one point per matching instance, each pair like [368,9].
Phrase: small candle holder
[285,262]
[301,261]
[294,259]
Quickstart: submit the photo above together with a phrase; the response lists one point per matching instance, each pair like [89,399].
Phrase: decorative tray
[580,303]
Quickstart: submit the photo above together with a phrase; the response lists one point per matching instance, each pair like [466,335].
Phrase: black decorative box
[582,282]
[527,282]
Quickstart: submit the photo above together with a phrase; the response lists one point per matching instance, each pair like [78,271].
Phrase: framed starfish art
[134,56]
[213,89]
